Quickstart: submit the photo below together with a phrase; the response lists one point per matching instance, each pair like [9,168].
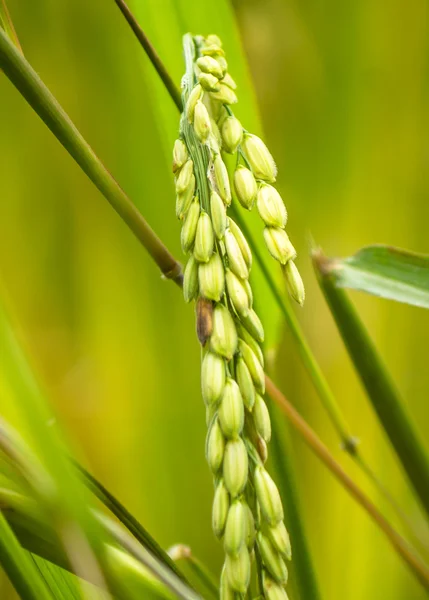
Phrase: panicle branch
[247,509]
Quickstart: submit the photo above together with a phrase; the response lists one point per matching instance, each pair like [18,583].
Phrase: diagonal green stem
[380,388]
[29,84]
[151,53]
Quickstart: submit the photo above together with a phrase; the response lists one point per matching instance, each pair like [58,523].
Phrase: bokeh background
[342,93]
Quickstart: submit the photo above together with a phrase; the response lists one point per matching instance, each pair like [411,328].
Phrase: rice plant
[63,534]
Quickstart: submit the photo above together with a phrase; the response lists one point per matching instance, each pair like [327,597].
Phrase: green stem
[29,84]
[380,388]
[19,567]
[151,53]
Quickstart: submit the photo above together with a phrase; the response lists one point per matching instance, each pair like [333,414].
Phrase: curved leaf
[387,272]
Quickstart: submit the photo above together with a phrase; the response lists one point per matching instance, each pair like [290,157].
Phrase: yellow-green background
[342,89]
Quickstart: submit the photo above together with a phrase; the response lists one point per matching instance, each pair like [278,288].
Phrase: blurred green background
[342,91]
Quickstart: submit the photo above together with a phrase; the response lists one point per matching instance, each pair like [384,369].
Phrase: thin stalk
[380,388]
[19,567]
[29,84]
[404,550]
[151,53]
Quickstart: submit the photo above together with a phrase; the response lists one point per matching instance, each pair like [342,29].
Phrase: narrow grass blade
[380,388]
[151,52]
[29,84]
[128,520]
[19,567]
[385,271]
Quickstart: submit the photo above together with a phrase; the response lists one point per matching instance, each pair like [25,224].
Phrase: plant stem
[29,84]
[151,53]
[380,388]
[318,447]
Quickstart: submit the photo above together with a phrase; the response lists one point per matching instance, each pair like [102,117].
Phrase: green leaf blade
[385,271]
[19,567]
